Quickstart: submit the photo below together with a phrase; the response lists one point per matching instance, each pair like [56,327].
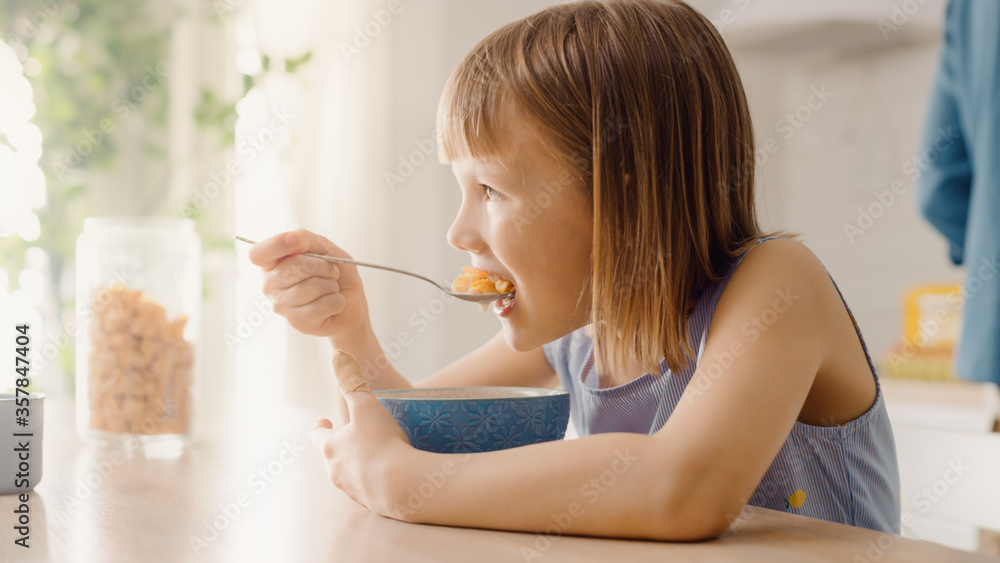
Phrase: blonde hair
[641,99]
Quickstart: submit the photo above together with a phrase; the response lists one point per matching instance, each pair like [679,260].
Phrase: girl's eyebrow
[496,174]
[488,176]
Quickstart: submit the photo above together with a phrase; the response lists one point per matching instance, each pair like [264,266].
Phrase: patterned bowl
[477,419]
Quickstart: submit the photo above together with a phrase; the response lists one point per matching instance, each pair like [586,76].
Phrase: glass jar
[138,305]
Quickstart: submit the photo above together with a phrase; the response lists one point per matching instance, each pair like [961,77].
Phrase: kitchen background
[258,116]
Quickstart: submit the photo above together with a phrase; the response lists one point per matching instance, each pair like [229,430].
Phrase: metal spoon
[473,297]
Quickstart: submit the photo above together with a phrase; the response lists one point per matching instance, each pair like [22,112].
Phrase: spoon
[473,297]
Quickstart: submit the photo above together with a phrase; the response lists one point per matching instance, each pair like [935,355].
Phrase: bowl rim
[12,396]
[546,393]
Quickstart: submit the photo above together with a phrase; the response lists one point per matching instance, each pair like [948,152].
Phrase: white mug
[20,441]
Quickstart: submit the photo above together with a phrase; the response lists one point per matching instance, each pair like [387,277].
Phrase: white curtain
[319,174]
[364,106]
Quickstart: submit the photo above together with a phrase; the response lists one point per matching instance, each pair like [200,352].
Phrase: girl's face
[528,221]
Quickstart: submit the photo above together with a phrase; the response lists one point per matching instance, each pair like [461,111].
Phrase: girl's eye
[491,194]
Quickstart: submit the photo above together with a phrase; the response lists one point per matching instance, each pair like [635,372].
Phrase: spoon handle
[365,264]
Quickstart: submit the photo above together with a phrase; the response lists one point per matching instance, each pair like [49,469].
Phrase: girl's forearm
[613,485]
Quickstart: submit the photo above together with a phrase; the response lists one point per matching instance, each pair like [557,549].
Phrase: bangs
[476,101]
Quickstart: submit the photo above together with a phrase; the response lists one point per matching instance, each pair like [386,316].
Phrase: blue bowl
[477,419]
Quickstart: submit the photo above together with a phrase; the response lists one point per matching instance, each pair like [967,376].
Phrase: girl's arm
[495,363]
[689,479]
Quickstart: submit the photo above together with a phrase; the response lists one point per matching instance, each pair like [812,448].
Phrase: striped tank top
[846,474]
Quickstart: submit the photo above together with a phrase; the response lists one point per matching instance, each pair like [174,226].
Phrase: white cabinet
[949,459]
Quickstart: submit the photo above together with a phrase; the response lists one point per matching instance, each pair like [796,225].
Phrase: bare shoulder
[782,259]
[780,264]
[780,285]
[787,302]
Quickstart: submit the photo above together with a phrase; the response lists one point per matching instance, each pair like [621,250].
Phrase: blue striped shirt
[845,474]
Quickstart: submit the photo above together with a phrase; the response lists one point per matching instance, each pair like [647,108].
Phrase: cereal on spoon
[477,281]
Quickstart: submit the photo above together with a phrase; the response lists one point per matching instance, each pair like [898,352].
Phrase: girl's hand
[315,296]
[370,457]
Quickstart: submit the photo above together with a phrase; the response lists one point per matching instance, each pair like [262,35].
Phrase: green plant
[103,63]
[103,67]
[92,55]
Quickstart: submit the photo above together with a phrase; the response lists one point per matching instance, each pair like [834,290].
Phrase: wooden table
[256,491]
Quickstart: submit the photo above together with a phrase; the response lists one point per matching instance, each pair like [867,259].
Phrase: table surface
[95,504]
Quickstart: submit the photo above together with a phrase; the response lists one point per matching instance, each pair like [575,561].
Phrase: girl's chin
[523,333]
[516,339]
[520,338]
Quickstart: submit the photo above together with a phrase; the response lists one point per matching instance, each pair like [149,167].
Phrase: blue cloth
[848,473]
[959,185]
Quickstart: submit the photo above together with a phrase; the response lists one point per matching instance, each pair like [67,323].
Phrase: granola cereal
[477,281]
[140,366]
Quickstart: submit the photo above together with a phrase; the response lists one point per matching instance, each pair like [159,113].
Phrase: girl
[709,365]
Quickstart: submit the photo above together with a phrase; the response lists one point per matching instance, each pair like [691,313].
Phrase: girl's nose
[464,231]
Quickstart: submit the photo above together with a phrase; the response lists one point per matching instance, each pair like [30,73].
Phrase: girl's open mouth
[503,307]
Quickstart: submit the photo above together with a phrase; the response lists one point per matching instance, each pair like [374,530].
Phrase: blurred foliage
[291,65]
[102,61]
[212,112]
[94,57]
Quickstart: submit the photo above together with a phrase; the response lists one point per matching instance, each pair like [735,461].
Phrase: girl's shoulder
[782,298]
[778,261]
[777,279]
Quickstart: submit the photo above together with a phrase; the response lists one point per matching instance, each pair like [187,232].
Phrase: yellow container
[932,316]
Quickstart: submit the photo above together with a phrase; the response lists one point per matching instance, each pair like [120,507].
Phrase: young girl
[605,157]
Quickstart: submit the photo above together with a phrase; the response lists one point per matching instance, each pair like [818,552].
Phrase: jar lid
[125,226]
